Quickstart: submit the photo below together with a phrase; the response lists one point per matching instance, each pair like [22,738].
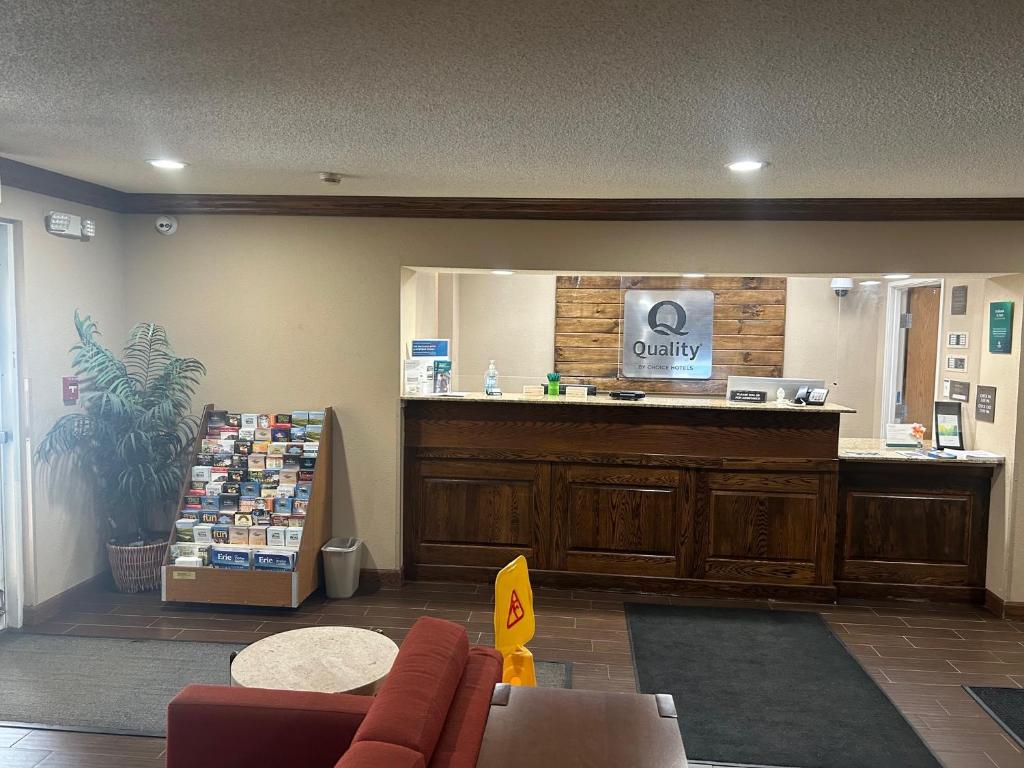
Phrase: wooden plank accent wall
[749,330]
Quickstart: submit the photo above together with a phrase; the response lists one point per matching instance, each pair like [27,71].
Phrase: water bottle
[491,379]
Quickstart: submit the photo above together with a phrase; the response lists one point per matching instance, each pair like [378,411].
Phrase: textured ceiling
[594,98]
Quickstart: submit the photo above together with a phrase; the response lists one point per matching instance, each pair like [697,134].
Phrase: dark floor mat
[768,688]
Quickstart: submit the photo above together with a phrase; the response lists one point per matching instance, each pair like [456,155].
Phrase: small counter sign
[748,396]
[667,334]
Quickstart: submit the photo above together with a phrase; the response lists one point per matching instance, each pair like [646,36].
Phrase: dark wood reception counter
[688,495]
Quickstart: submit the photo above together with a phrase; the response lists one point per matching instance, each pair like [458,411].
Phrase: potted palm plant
[129,441]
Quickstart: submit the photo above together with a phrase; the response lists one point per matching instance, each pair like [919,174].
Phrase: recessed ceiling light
[693,274]
[746,166]
[870,282]
[165,164]
[896,276]
[502,272]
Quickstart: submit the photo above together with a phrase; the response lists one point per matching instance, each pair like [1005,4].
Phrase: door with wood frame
[920,355]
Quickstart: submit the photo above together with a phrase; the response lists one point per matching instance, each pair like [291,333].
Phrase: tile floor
[919,654]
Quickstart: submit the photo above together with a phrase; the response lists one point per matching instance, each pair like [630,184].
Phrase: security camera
[841,286]
[166,225]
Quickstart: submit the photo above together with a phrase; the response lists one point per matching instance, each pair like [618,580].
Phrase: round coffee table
[324,659]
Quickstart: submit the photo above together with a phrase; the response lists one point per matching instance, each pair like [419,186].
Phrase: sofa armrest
[232,727]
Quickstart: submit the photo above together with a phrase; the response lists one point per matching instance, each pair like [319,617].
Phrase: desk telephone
[809,396]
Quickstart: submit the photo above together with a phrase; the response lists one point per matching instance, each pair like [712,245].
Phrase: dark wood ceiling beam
[33,179]
[593,209]
[39,180]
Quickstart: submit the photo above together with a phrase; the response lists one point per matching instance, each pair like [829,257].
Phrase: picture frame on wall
[956,363]
[957,339]
[949,426]
[958,301]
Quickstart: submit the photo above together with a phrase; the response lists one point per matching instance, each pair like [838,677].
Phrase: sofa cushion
[412,706]
[459,745]
[377,754]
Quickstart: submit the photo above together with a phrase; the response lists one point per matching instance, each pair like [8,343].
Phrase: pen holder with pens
[554,382]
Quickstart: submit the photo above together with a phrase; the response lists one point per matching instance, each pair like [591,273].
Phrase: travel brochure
[249,491]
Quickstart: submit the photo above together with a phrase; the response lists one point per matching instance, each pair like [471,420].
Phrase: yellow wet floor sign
[514,623]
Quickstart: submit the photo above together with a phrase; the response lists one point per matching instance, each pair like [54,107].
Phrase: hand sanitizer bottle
[491,379]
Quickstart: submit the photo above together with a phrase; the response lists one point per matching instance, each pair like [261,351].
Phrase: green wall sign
[1000,327]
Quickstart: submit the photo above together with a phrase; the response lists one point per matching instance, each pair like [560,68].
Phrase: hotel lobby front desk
[692,496]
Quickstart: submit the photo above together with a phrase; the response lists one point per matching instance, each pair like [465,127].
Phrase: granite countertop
[872,449]
[651,401]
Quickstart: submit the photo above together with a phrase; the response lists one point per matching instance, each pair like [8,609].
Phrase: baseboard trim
[372,577]
[868,590]
[1003,609]
[34,615]
[1013,611]
[681,587]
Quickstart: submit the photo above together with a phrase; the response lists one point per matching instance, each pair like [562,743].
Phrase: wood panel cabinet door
[914,525]
[907,538]
[766,527]
[623,520]
[480,513]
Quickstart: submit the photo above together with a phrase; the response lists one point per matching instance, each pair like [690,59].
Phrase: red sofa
[431,712]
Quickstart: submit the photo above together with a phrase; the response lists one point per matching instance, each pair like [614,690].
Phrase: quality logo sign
[667,334]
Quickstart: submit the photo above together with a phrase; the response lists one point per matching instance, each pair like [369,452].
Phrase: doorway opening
[912,353]
[11,596]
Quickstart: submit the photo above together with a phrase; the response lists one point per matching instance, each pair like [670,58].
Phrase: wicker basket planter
[136,569]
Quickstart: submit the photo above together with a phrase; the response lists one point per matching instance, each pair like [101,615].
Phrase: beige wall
[55,276]
[293,312]
[509,319]
[290,314]
[419,311]
[1006,533]
[715,247]
[342,341]
[419,306]
[837,339]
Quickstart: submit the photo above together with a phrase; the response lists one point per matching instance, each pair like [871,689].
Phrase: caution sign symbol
[515,611]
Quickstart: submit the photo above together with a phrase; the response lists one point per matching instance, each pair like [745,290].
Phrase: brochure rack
[262,588]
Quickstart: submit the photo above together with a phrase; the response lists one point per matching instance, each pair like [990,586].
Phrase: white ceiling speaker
[166,225]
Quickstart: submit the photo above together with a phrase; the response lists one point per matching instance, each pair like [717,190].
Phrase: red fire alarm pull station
[70,390]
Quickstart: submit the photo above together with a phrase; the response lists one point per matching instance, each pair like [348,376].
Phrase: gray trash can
[342,558]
